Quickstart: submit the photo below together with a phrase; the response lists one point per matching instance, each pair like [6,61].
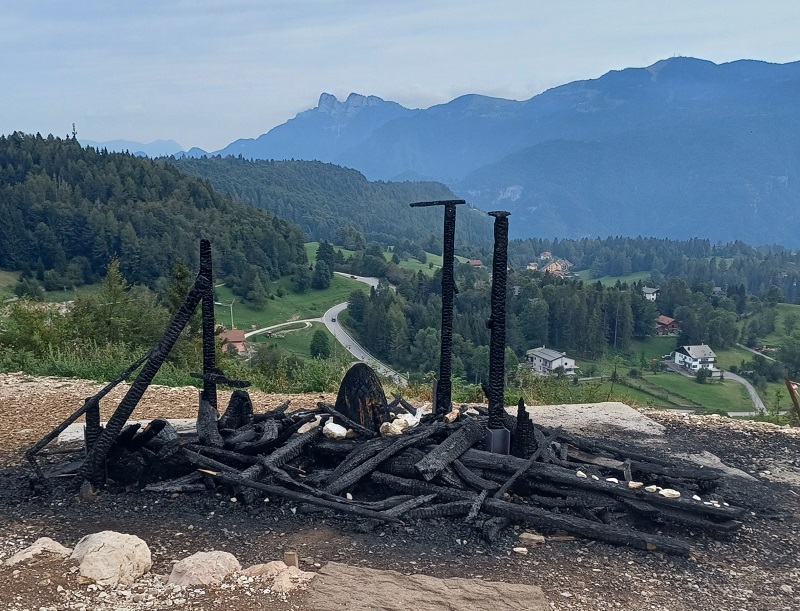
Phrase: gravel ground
[756,569]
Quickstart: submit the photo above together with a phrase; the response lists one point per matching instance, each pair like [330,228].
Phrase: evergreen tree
[322,276]
[320,345]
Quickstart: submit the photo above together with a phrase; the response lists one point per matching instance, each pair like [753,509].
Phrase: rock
[267,570]
[522,551]
[451,416]
[109,558]
[331,430]
[204,568]
[40,546]
[290,579]
[669,493]
[635,485]
[291,559]
[696,498]
[612,480]
[391,429]
[308,426]
[651,488]
[332,590]
[787,589]
[531,538]
[580,474]
[595,478]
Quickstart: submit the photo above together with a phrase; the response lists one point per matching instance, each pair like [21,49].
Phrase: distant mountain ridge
[157,148]
[680,148]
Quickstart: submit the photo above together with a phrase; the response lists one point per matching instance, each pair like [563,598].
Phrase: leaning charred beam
[145,436]
[93,468]
[358,454]
[239,411]
[454,508]
[352,477]
[450,449]
[292,449]
[399,510]
[544,444]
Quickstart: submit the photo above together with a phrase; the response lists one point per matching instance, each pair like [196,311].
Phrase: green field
[8,280]
[295,341]
[413,265]
[779,336]
[611,280]
[729,395]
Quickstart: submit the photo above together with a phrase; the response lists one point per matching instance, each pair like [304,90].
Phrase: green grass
[292,306]
[8,280]
[611,280]
[413,265]
[732,356]
[296,341]
[729,396]
[779,336]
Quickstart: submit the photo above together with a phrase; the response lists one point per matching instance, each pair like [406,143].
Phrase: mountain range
[681,148]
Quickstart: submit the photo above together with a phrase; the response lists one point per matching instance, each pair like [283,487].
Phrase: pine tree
[320,345]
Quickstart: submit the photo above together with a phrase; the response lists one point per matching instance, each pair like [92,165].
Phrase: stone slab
[74,432]
[594,419]
[339,587]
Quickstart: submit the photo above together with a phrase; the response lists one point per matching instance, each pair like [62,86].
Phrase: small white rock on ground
[40,546]
[204,568]
[110,558]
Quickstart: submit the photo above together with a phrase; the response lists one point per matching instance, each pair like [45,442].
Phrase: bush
[633,373]
[702,375]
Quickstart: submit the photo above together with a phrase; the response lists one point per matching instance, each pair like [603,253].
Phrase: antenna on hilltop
[74,132]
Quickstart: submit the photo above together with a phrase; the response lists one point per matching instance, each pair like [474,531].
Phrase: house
[667,326]
[559,268]
[475,263]
[650,293]
[532,266]
[234,340]
[698,357]
[546,361]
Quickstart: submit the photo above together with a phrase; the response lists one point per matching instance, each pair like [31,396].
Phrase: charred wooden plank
[399,510]
[473,479]
[454,508]
[207,427]
[361,398]
[239,411]
[404,463]
[153,428]
[450,449]
[270,434]
[187,483]
[273,413]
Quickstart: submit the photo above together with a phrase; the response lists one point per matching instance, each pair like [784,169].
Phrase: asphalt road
[758,404]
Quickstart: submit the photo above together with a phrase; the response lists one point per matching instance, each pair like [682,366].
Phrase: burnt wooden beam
[450,449]
[207,427]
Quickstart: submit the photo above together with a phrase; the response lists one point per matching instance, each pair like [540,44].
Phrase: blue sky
[207,72]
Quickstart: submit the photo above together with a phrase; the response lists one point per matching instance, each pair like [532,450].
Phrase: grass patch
[728,396]
[778,336]
[296,341]
[292,306]
[413,265]
[8,280]
[612,280]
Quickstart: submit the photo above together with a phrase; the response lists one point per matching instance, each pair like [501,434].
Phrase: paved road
[330,319]
[757,402]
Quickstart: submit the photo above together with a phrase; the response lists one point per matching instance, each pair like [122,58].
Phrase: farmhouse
[559,268]
[697,357]
[234,340]
[667,326]
[546,361]
[650,293]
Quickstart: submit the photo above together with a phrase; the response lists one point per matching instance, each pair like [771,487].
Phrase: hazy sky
[206,72]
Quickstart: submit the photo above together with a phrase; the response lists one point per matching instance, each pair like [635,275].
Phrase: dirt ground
[756,569]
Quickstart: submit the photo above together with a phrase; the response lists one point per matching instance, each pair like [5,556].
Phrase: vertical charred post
[497,320]
[444,387]
[209,347]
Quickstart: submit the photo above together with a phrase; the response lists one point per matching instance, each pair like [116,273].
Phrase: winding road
[331,322]
[758,404]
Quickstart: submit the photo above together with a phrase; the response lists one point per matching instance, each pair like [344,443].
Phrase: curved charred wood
[340,418]
[476,505]
[273,413]
[239,411]
[450,449]
[404,463]
[338,505]
[207,427]
[166,435]
[492,528]
[473,479]
[188,483]
[265,445]
[241,436]
[400,402]
[270,433]
[93,468]
[350,478]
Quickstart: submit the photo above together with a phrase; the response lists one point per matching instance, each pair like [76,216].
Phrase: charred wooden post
[209,344]
[444,387]
[361,398]
[522,438]
[498,437]
[239,411]
[207,427]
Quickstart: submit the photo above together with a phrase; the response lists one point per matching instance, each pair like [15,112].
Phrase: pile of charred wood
[387,462]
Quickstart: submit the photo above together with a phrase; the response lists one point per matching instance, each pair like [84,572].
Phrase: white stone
[612,480]
[348,496]
[522,551]
[390,429]
[787,589]
[267,570]
[580,474]
[669,493]
[204,568]
[290,579]
[109,558]
[531,538]
[331,430]
[696,498]
[651,488]
[40,546]
[595,478]
[635,485]
[308,426]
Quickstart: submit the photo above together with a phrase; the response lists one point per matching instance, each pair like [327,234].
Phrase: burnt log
[361,398]
[193,482]
[273,413]
[454,508]
[544,445]
[149,432]
[404,464]
[207,428]
[269,436]
[522,437]
[399,510]
[492,528]
[239,411]
[241,436]
[472,478]
[450,449]
[226,456]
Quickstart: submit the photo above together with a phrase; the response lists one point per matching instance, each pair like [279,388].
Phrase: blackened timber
[450,449]
[227,456]
[352,477]
[444,387]
[273,413]
[153,428]
[399,510]
[93,467]
[239,411]
[358,454]
[207,427]
[291,449]
[522,437]
[454,508]
[497,321]
[340,505]
[472,478]
[207,308]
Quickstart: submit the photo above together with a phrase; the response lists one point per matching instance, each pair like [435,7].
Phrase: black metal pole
[497,323]
[444,386]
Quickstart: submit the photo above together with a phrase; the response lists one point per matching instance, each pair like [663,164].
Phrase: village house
[697,357]
[475,263]
[234,340]
[546,361]
[650,293]
[559,268]
[667,326]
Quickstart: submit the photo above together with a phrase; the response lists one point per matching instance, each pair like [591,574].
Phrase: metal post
[498,438]
[444,387]
[209,344]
